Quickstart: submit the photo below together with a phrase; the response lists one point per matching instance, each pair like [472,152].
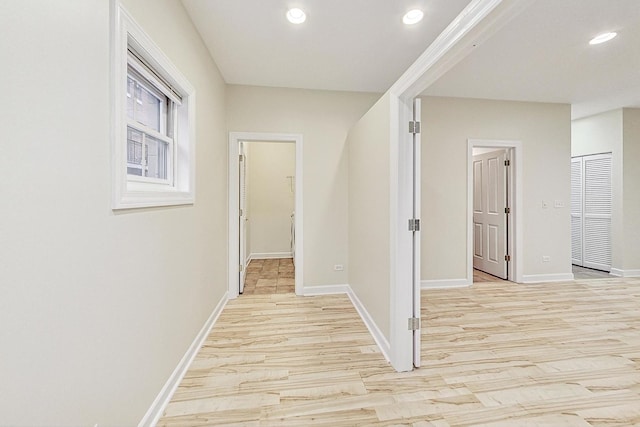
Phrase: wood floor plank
[495,354]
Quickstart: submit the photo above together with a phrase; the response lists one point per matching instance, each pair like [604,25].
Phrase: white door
[242,220]
[597,212]
[416,235]
[576,210]
[591,216]
[489,213]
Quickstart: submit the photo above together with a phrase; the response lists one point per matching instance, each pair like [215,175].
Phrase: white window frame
[131,191]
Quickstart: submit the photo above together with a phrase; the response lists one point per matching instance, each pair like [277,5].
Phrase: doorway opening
[265,213]
[267,217]
[494,200]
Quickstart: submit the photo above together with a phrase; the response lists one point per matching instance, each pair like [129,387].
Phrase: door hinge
[414,127]
[414,224]
[507,210]
[414,323]
[241,267]
[241,212]
[507,257]
[241,157]
[507,162]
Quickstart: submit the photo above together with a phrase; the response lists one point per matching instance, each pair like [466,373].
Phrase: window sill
[149,199]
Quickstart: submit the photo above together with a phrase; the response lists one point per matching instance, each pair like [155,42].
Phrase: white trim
[326,290]
[479,20]
[162,400]
[232,202]
[270,255]
[445,283]
[546,278]
[516,196]
[624,273]
[375,332]
[126,193]
[401,286]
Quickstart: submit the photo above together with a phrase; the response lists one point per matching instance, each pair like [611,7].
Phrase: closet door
[576,211]
[597,209]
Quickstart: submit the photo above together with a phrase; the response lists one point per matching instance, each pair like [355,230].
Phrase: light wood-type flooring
[481,276]
[495,354]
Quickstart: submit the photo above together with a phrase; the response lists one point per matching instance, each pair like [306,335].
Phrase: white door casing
[235,138]
[242,218]
[479,20]
[515,199]
[489,213]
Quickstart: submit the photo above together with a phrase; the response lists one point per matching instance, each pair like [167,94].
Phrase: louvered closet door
[591,208]
[596,240]
[576,210]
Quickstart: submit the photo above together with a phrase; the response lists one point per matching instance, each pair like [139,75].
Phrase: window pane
[131,87]
[146,104]
[147,108]
[134,152]
[157,152]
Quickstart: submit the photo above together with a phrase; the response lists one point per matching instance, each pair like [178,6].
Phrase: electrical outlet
[546,258]
[558,204]
[338,267]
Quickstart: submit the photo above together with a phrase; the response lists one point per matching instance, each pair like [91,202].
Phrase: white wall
[603,133]
[270,197]
[631,196]
[323,118]
[369,201]
[96,307]
[544,130]
[618,132]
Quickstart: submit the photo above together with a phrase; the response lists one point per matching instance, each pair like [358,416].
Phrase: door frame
[515,196]
[242,226]
[234,210]
[478,21]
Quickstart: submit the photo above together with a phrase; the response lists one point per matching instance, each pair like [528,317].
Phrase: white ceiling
[352,45]
[542,55]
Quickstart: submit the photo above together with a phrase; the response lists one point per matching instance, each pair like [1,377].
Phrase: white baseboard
[445,283]
[162,400]
[624,273]
[325,290]
[375,332]
[541,278]
[271,255]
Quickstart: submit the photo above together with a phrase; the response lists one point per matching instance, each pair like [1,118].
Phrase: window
[153,128]
[150,128]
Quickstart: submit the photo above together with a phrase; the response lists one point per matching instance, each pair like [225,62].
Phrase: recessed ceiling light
[605,37]
[412,17]
[296,16]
